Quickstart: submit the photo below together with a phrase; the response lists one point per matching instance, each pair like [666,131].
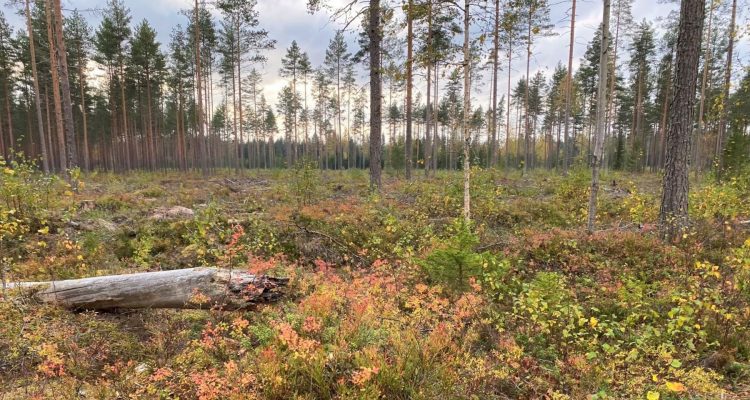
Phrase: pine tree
[642,51]
[536,14]
[180,82]
[601,112]
[148,64]
[110,41]
[291,67]
[336,61]
[71,155]
[38,103]
[673,214]
[78,38]
[7,59]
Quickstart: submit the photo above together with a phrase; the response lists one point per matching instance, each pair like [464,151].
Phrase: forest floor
[391,296]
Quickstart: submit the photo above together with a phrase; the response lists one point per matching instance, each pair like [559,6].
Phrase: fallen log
[193,288]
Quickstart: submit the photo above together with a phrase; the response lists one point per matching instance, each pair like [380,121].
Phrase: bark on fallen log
[183,288]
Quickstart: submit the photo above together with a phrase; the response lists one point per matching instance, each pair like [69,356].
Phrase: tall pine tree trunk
[467,115]
[428,114]
[199,85]
[54,60]
[569,90]
[409,85]
[239,97]
[495,67]
[70,140]
[601,114]
[507,109]
[376,111]
[82,83]
[697,153]
[673,215]
[527,125]
[725,92]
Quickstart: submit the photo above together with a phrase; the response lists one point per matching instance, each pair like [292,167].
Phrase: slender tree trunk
[507,109]
[569,89]
[663,126]
[435,121]
[199,85]
[409,85]
[49,129]
[697,154]
[725,92]
[673,215]
[54,60]
[527,126]
[150,128]
[428,113]
[70,140]
[234,116]
[239,97]
[82,83]
[40,123]
[467,115]
[375,36]
[613,78]
[3,152]
[9,114]
[601,113]
[495,66]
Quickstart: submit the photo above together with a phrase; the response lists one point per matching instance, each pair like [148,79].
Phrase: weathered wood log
[183,288]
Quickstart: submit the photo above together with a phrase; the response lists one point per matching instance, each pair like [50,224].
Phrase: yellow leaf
[44,230]
[653,395]
[676,386]
[593,322]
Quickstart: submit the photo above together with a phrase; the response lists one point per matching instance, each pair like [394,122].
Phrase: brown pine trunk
[86,153]
[698,154]
[3,152]
[435,124]
[9,117]
[569,90]
[428,114]
[237,153]
[495,65]
[527,126]
[467,115]
[199,85]
[507,106]
[601,114]
[409,84]
[673,215]
[49,129]
[376,111]
[70,138]
[54,60]
[663,129]
[124,112]
[150,128]
[610,100]
[725,93]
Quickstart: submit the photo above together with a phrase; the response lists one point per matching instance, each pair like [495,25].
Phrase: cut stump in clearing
[193,288]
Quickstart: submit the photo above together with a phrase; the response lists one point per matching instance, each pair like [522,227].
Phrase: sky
[288,20]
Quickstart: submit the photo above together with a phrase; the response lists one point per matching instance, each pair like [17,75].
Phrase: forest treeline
[111,97]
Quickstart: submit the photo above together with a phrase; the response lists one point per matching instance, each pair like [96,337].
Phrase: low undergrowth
[391,296]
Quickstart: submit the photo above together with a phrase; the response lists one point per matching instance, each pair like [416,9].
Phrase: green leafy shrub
[305,181]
